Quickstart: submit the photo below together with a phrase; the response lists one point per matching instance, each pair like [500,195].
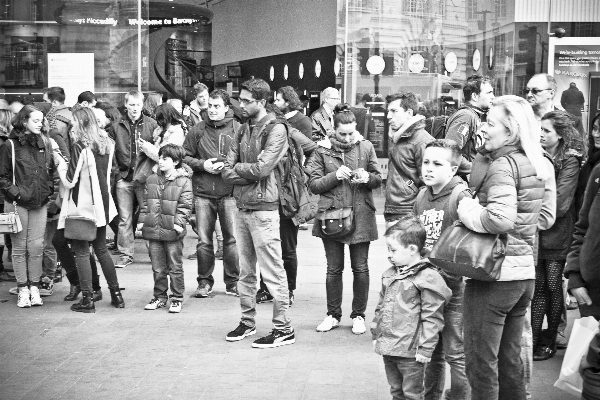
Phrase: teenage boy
[169,199]
[436,205]
[409,314]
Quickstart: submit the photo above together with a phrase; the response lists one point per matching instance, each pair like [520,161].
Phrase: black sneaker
[240,332]
[263,297]
[275,339]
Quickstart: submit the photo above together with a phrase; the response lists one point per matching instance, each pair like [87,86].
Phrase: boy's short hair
[220,94]
[135,94]
[259,88]
[408,230]
[408,101]
[176,152]
[473,85]
[56,93]
[455,152]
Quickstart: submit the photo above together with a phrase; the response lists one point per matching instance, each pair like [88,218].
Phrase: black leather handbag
[461,251]
[337,223]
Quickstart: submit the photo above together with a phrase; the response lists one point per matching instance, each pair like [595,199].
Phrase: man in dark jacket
[206,147]
[132,127]
[322,118]
[463,125]
[288,102]
[572,100]
[254,154]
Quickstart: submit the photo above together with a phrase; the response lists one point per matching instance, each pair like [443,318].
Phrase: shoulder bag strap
[12,148]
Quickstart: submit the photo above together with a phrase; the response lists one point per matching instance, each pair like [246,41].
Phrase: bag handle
[512,163]
[12,147]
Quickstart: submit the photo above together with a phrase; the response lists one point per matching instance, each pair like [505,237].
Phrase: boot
[74,293]
[86,305]
[97,295]
[546,347]
[116,299]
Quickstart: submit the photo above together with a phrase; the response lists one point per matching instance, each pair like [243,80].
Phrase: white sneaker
[328,324]
[175,306]
[24,299]
[358,325]
[155,303]
[36,300]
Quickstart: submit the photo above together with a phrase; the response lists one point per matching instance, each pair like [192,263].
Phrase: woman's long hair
[520,121]
[6,117]
[19,122]
[85,128]
[153,100]
[167,115]
[564,126]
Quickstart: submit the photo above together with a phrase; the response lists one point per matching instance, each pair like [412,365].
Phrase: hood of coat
[172,129]
[413,124]
[195,106]
[446,190]
[183,171]
[326,143]
[220,123]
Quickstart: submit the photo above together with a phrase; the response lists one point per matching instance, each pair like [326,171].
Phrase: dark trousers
[405,376]
[359,254]
[289,242]
[494,313]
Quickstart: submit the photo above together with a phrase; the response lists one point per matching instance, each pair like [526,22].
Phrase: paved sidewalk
[50,352]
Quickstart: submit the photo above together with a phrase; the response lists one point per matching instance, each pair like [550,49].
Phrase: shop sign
[450,62]
[72,80]
[272,73]
[336,66]
[301,70]
[416,63]
[476,59]
[318,68]
[285,72]
[375,65]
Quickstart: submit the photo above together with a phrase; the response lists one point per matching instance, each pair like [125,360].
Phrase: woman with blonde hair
[510,173]
[87,179]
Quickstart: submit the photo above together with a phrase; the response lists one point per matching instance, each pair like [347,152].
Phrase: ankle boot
[86,305]
[74,293]
[97,295]
[116,299]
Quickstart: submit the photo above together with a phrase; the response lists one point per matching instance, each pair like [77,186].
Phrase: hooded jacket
[406,151]
[334,193]
[210,139]
[254,153]
[410,311]
[168,203]
[197,114]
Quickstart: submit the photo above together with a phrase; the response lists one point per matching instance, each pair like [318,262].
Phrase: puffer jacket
[334,193]
[34,171]
[502,210]
[168,203]
[249,165]
[210,139]
[407,151]
[410,312]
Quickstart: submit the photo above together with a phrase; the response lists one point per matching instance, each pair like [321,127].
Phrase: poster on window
[74,72]
[571,61]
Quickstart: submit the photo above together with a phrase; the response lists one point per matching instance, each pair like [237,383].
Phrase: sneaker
[13,290]
[263,297]
[232,291]
[155,303]
[24,300]
[275,339]
[303,227]
[111,246]
[124,261]
[193,256]
[36,300]
[240,333]
[328,324]
[358,325]
[46,287]
[6,277]
[561,341]
[219,254]
[291,297]
[175,306]
[203,290]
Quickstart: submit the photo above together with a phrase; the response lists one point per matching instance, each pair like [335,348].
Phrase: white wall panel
[562,10]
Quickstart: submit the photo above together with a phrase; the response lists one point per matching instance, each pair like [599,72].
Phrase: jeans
[288,231]
[166,260]
[128,196]
[28,244]
[207,210]
[67,260]
[81,248]
[49,257]
[257,234]
[450,349]
[494,315]
[405,376]
[359,254]
[527,351]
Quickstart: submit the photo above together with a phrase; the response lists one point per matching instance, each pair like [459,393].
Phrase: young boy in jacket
[436,205]
[409,314]
[168,206]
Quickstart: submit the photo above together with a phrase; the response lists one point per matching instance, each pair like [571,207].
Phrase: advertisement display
[74,72]
[572,61]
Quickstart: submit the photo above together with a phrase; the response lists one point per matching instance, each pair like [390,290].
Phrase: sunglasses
[534,91]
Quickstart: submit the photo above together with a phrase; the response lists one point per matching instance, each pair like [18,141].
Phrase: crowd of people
[509,165]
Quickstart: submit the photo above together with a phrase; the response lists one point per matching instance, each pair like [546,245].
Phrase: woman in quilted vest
[344,172]
[87,179]
[508,202]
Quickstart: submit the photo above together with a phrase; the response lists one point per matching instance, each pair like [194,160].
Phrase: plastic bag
[570,380]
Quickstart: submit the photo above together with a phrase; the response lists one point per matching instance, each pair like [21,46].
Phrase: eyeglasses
[533,91]
[247,101]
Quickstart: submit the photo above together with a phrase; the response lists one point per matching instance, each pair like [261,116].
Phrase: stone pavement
[50,352]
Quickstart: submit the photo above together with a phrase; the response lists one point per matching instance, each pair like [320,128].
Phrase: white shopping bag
[584,330]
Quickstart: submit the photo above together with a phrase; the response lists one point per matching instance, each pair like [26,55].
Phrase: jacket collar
[446,190]
[326,143]
[404,272]
[194,106]
[409,128]
[496,154]
[184,171]
[30,138]
[223,122]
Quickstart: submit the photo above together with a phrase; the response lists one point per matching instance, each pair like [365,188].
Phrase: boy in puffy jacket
[409,314]
[169,199]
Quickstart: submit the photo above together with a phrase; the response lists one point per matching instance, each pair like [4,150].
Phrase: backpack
[436,126]
[294,196]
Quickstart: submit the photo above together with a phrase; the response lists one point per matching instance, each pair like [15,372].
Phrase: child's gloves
[422,359]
